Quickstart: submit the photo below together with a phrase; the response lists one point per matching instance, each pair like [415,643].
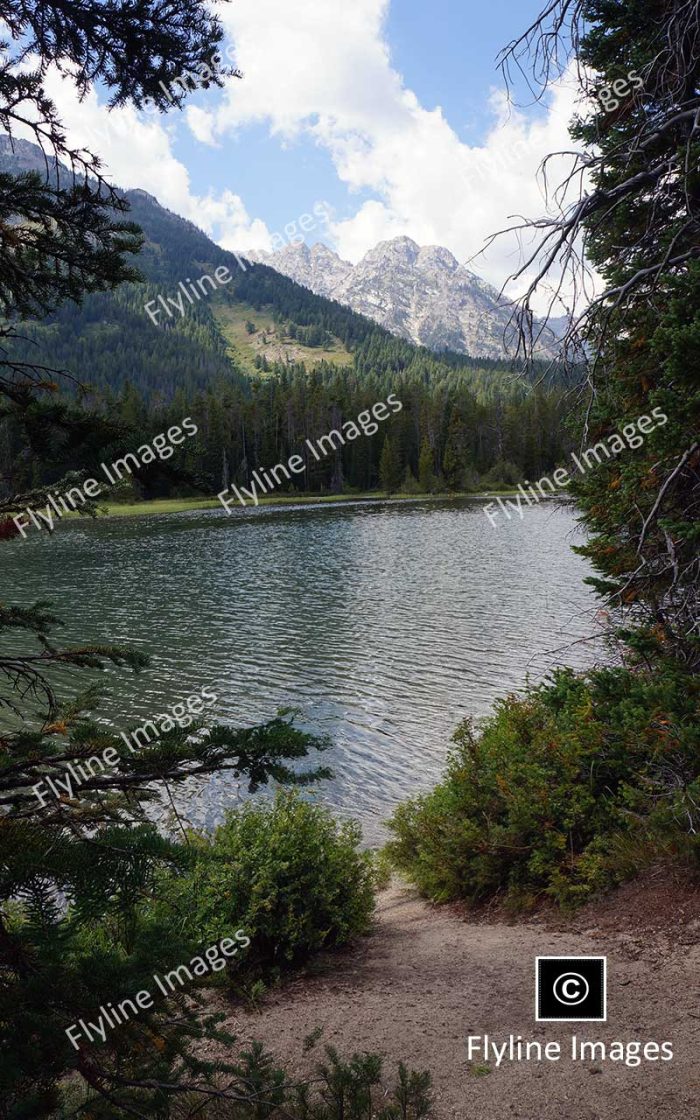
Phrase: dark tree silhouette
[76,868]
[630,208]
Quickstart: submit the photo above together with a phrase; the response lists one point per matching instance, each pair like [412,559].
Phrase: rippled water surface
[384,623]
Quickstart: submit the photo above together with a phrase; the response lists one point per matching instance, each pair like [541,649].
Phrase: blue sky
[390,113]
[446,52]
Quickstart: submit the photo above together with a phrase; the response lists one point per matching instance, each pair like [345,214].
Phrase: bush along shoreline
[562,793]
[284,870]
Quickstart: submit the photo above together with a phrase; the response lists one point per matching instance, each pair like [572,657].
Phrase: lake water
[385,624]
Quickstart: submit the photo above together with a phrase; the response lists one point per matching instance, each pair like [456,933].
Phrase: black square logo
[571,989]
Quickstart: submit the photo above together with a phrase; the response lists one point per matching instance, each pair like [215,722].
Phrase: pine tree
[79,857]
[390,471]
[426,472]
[640,220]
[410,482]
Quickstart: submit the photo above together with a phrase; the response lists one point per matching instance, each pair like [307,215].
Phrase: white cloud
[136,152]
[321,68]
[201,124]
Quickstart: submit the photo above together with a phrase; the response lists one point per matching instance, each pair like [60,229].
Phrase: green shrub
[503,473]
[341,1089]
[258,1088]
[287,873]
[539,800]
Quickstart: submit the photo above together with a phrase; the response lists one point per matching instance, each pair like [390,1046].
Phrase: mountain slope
[462,419]
[260,320]
[110,339]
[421,294]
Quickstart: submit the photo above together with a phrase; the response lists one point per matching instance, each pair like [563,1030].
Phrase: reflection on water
[384,623]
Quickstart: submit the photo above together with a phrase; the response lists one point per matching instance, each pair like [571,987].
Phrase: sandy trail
[425,979]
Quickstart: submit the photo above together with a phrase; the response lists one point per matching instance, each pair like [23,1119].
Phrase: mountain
[17,156]
[262,364]
[260,322]
[317,268]
[421,294]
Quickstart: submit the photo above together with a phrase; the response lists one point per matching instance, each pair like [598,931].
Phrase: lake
[384,623]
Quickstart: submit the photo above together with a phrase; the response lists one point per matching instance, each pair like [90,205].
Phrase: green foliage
[286,873]
[410,482]
[79,928]
[77,225]
[391,472]
[586,779]
[644,510]
[313,335]
[347,1090]
[337,1089]
[538,802]
[469,412]
[502,474]
[77,874]
[135,60]
[426,472]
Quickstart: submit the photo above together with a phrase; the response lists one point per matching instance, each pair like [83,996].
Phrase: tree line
[447,437]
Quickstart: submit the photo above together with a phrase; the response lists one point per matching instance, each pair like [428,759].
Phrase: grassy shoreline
[183,505]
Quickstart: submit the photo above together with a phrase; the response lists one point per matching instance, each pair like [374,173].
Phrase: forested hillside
[262,364]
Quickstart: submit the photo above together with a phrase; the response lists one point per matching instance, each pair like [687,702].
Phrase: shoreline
[160,506]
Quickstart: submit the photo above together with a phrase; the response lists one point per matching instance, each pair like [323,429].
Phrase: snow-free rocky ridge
[422,294]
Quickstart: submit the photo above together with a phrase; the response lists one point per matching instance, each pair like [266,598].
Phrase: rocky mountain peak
[401,250]
[435,256]
[420,293]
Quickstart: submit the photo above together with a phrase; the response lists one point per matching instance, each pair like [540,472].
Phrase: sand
[428,977]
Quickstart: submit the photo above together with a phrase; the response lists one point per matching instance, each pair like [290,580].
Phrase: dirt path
[425,979]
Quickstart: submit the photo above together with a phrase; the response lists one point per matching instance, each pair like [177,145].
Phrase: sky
[379,118]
